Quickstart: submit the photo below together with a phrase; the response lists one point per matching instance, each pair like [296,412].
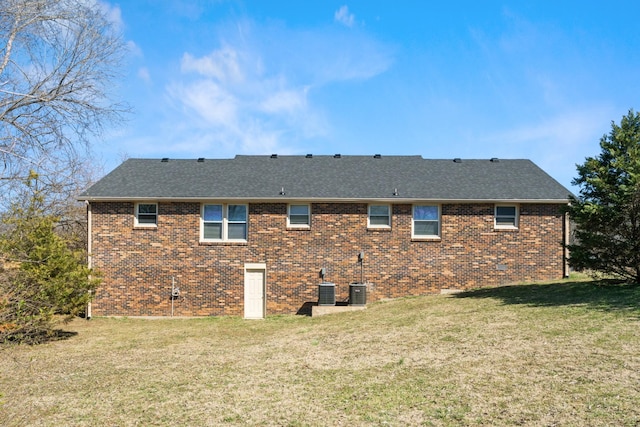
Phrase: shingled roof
[328,178]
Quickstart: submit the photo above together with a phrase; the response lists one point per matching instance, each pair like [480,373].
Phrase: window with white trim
[506,216]
[379,216]
[223,222]
[146,215]
[299,216]
[426,222]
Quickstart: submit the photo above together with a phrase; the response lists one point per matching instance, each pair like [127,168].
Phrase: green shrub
[43,281]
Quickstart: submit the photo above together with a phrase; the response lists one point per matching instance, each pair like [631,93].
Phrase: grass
[565,353]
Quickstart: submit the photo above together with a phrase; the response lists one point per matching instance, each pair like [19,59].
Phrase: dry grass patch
[552,354]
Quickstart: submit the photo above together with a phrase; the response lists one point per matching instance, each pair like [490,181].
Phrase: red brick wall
[137,264]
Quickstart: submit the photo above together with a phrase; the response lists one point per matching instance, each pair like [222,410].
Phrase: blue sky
[540,80]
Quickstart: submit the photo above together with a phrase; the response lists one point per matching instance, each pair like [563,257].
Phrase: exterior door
[254,286]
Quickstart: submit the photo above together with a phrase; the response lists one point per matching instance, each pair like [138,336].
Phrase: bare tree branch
[58,63]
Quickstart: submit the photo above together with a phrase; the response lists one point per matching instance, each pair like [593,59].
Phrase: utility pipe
[173,288]
[89,249]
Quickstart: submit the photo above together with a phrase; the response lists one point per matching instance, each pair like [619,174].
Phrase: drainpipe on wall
[89,258]
[566,237]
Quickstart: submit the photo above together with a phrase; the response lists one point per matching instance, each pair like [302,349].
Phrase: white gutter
[320,200]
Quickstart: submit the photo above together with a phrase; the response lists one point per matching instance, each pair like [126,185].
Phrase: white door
[254,294]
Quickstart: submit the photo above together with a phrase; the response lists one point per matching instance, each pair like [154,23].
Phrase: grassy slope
[553,354]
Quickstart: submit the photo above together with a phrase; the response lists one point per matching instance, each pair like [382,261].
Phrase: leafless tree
[59,59]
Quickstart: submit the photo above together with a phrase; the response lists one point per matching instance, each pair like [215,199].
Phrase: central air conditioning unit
[327,293]
[357,294]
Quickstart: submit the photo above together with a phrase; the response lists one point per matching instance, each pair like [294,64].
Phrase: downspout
[566,236]
[89,250]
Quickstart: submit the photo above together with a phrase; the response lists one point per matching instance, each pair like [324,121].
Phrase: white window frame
[516,217]
[137,215]
[389,210]
[295,225]
[225,222]
[413,222]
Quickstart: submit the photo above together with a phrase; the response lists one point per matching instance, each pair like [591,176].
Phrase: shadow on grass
[36,338]
[59,335]
[599,295]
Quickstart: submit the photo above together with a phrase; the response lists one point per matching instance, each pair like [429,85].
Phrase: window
[426,221]
[299,216]
[212,222]
[506,217]
[146,215]
[224,222]
[379,216]
[237,222]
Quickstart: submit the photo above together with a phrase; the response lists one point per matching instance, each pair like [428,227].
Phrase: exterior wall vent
[457,160]
[164,160]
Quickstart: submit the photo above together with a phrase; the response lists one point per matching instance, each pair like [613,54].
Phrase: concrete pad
[450,291]
[321,310]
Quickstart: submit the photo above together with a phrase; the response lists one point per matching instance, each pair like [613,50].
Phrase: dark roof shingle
[327,178]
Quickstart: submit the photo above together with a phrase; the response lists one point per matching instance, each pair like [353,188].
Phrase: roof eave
[390,200]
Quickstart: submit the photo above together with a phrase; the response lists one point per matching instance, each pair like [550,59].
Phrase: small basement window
[379,216]
[299,216]
[146,215]
[506,217]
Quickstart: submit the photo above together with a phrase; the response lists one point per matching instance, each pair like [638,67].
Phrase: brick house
[252,235]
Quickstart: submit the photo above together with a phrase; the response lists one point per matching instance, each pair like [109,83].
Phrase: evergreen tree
[43,279]
[607,210]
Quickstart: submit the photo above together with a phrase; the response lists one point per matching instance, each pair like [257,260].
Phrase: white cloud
[113,14]
[208,100]
[556,143]
[252,93]
[143,73]
[285,101]
[245,108]
[343,16]
[560,137]
[133,48]
[220,64]
[568,129]
[326,55]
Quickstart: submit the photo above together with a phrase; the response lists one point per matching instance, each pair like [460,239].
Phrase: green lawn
[565,354]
